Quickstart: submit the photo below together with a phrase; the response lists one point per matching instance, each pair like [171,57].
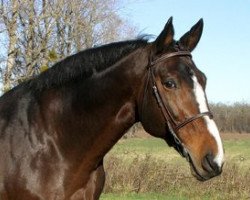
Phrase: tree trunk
[11,25]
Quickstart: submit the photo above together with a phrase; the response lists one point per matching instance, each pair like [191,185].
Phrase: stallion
[56,128]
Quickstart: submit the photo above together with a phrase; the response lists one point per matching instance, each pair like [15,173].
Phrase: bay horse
[57,127]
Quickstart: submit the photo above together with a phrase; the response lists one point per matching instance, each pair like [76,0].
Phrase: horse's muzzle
[210,166]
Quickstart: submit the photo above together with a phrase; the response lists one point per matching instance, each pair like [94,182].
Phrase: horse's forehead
[187,69]
[178,64]
[182,70]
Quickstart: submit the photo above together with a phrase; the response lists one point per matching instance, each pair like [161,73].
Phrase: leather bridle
[173,126]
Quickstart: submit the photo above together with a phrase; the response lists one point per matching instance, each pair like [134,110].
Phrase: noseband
[173,126]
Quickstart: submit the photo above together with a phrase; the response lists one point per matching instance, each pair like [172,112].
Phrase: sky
[223,52]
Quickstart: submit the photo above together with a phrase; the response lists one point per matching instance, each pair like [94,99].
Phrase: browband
[169,55]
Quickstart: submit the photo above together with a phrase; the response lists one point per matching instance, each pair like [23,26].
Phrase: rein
[173,126]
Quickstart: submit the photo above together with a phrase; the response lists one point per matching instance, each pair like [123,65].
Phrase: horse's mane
[84,64]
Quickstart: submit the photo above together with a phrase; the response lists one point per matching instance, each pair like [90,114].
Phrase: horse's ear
[166,37]
[192,37]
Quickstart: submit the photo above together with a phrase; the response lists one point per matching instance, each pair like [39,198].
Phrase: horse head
[174,105]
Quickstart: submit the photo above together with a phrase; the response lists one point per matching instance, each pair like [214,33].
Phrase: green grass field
[146,169]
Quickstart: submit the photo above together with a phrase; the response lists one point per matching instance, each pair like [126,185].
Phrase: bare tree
[9,13]
[42,31]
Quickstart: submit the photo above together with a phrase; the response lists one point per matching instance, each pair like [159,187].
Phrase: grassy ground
[145,196]
[148,169]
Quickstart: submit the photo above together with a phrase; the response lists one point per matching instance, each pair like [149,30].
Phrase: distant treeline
[232,118]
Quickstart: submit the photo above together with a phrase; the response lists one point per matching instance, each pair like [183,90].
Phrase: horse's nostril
[210,165]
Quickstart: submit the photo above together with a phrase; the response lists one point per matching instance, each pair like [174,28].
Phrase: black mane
[84,64]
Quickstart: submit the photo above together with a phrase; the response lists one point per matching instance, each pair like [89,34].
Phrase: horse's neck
[92,119]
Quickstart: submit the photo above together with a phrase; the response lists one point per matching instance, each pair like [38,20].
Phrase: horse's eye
[170,84]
